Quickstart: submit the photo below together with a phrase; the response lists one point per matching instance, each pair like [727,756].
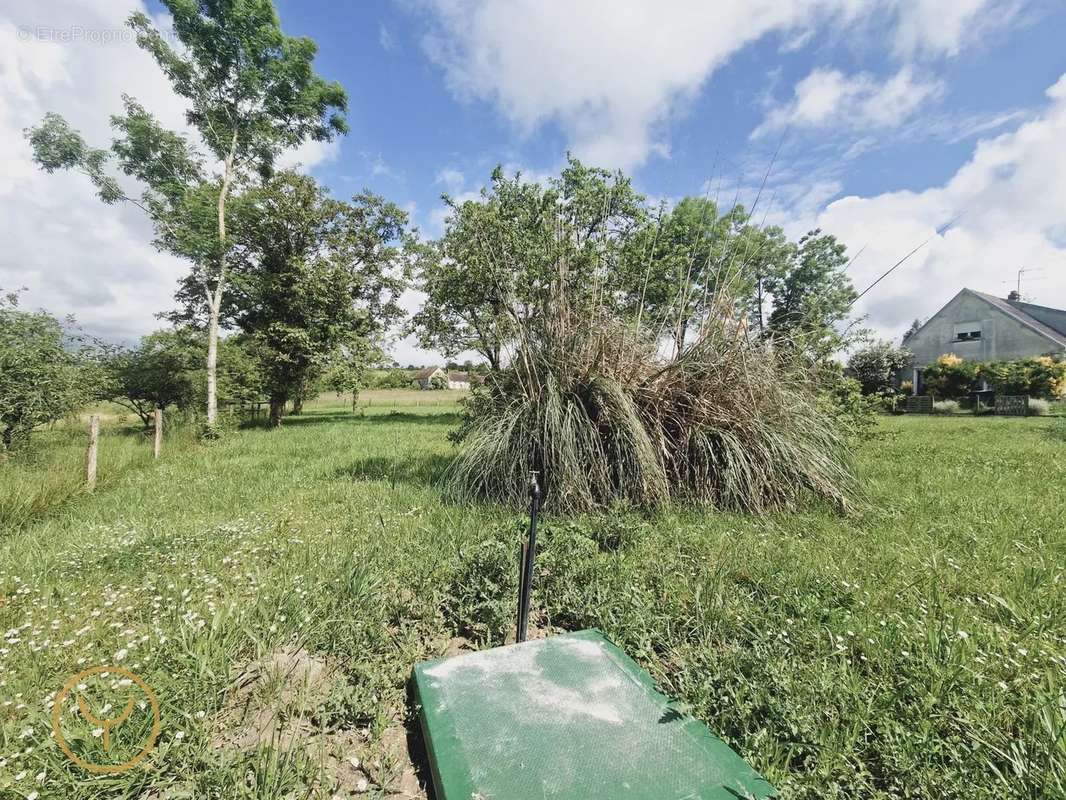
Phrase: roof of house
[1026,314]
[460,377]
[426,373]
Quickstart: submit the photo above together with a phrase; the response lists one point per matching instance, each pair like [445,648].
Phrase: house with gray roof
[981,327]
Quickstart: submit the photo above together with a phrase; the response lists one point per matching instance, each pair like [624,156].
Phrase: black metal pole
[529,553]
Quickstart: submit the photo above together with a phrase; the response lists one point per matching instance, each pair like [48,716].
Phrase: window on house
[967,331]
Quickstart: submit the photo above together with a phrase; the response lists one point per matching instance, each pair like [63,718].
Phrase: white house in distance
[424,378]
[981,327]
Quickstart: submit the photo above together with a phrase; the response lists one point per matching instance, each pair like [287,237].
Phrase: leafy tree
[45,372]
[159,373]
[876,367]
[812,295]
[913,329]
[252,94]
[316,280]
[686,262]
[492,270]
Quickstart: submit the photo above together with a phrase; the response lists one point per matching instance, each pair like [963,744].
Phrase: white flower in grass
[179,735]
[98,732]
[21,775]
[32,795]
[40,777]
[121,654]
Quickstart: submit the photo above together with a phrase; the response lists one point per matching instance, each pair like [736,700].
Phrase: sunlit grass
[913,650]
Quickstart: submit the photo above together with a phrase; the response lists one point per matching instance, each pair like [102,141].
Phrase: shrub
[1038,407]
[1042,377]
[46,372]
[876,367]
[950,378]
[945,407]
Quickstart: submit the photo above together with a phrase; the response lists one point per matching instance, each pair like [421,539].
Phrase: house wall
[1002,338]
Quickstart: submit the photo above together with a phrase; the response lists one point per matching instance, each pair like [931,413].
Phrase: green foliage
[45,372]
[392,379]
[495,260]
[812,295]
[854,413]
[317,281]
[950,378]
[876,367]
[1042,377]
[252,94]
[730,419]
[438,382]
[161,372]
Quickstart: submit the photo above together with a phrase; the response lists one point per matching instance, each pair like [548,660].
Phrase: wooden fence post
[90,454]
[157,444]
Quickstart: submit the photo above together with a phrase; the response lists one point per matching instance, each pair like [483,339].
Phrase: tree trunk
[214,296]
[277,409]
[8,437]
[297,406]
[212,360]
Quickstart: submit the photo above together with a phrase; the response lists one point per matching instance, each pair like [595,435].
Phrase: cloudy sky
[890,119]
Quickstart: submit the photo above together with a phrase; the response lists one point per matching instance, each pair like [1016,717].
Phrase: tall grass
[731,422]
[48,475]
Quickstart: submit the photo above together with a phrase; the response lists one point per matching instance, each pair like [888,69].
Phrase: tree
[811,295]
[252,94]
[877,365]
[692,261]
[913,329]
[493,267]
[44,374]
[159,373]
[316,280]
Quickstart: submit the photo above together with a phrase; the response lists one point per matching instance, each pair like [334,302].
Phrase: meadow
[915,648]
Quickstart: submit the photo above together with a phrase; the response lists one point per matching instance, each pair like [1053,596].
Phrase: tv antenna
[1023,271]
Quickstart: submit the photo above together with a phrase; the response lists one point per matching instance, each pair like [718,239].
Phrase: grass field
[914,649]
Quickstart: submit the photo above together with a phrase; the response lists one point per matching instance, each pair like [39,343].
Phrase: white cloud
[942,27]
[827,98]
[309,155]
[1010,193]
[611,72]
[73,253]
[386,39]
[450,178]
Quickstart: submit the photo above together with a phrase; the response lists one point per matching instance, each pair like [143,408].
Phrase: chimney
[1014,297]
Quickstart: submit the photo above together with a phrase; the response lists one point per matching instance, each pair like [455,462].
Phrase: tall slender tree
[252,94]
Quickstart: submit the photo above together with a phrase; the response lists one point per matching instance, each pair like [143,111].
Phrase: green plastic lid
[570,717]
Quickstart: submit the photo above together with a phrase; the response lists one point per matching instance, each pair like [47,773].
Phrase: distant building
[980,327]
[426,377]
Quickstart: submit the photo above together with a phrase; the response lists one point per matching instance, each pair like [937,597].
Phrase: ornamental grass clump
[733,423]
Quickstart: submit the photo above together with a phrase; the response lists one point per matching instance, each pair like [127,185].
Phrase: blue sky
[889,118]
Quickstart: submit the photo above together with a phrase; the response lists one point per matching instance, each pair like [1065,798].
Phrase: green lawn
[914,649]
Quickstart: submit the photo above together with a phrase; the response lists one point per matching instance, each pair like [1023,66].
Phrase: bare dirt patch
[277,702]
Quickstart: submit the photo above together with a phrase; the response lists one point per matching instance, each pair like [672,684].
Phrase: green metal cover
[571,717]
